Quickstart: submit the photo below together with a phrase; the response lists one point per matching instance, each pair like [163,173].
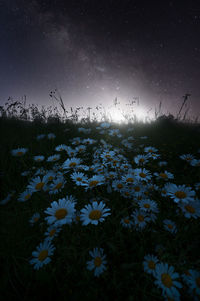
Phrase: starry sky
[93,51]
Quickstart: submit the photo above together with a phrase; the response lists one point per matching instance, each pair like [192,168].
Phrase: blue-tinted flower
[98,262]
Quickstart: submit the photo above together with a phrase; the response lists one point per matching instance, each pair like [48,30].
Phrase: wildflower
[39,137]
[94,213]
[50,175]
[88,141]
[105,125]
[149,264]
[180,193]
[51,136]
[140,218]
[79,178]
[52,231]
[142,174]
[195,162]
[61,147]
[148,205]
[128,179]
[192,279]
[19,152]
[191,209]
[164,175]
[96,180]
[80,148]
[98,262]
[71,163]
[44,250]
[38,158]
[165,279]
[57,185]
[25,196]
[37,184]
[53,158]
[170,226]
[150,149]
[118,185]
[141,159]
[34,219]
[126,222]
[187,157]
[61,212]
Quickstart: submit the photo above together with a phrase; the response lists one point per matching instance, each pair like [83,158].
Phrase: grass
[66,277]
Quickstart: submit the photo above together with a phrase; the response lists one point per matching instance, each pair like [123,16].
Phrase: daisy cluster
[111,172]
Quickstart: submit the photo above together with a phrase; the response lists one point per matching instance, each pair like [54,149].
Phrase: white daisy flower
[170,226]
[57,185]
[180,193]
[142,174]
[149,263]
[53,158]
[94,213]
[61,212]
[148,205]
[52,231]
[191,209]
[44,250]
[140,218]
[79,178]
[98,262]
[126,222]
[71,163]
[38,158]
[25,195]
[19,152]
[165,279]
[34,219]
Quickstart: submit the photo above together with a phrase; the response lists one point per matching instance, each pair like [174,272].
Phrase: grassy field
[153,208]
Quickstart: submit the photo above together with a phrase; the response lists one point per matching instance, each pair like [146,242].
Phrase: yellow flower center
[93,183]
[43,255]
[163,175]
[141,160]
[140,218]
[50,178]
[19,153]
[59,185]
[142,175]
[151,265]
[72,164]
[78,179]
[129,180]
[119,186]
[39,186]
[170,226]
[146,205]
[36,219]
[61,213]
[166,280]
[27,196]
[127,193]
[198,281]
[97,261]
[150,151]
[52,232]
[180,194]
[126,221]
[190,209]
[137,188]
[95,214]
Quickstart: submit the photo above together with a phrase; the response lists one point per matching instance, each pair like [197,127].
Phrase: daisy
[80,149]
[191,209]
[88,141]
[141,159]
[118,185]
[94,213]
[79,178]
[192,279]
[170,226]
[53,158]
[44,250]
[187,157]
[52,231]
[51,136]
[180,193]
[150,149]
[34,219]
[71,163]
[39,137]
[126,222]
[164,175]
[98,262]
[37,184]
[61,147]
[195,162]
[165,279]
[149,264]
[140,218]
[38,158]
[57,185]
[51,175]
[142,174]
[19,152]
[61,212]
[96,180]
[148,205]
[25,196]
[105,125]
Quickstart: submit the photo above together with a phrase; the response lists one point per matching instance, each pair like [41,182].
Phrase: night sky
[93,51]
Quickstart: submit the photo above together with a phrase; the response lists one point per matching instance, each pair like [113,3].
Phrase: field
[115,209]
